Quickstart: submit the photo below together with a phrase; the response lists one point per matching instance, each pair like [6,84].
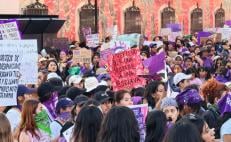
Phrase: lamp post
[96,16]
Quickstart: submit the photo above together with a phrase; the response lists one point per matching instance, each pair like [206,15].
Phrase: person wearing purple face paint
[224,105]
[63,110]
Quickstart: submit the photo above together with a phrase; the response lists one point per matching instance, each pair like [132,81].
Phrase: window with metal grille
[220,17]
[132,20]
[167,16]
[87,20]
[196,20]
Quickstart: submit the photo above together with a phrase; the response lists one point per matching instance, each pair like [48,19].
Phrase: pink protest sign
[124,68]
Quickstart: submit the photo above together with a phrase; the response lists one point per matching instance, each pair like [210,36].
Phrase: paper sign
[155,63]
[174,35]
[141,112]
[104,56]
[118,46]
[124,67]
[10,66]
[202,34]
[82,55]
[92,40]
[225,32]
[134,39]
[165,31]
[67,134]
[9,31]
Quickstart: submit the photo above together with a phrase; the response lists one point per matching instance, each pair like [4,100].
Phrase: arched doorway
[167,16]
[220,17]
[196,20]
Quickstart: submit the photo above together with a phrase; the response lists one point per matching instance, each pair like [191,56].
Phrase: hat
[167,101]
[101,96]
[216,57]
[91,83]
[72,46]
[62,103]
[22,90]
[53,75]
[179,77]
[224,104]
[75,79]
[80,100]
[228,84]
[73,92]
[189,96]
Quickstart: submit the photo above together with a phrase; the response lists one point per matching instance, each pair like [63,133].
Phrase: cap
[179,77]
[75,79]
[189,96]
[167,101]
[22,90]
[62,103]
[53,75]
[72,46]
[91,83]
[80,100]
[73,92]
[101,96]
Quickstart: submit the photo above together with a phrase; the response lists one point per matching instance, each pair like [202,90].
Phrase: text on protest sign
[141,112]
[92,40]
[124,67]
[82,55]
[10,64]
[9,31]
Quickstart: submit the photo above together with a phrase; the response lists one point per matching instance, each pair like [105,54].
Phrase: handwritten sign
[9,31]
[141,112]
[165,31]
[134,39]
[10,66]
[124,67]
[82,55]
[92,40]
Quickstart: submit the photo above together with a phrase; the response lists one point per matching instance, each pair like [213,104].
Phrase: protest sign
[92,40]
[9,31]
[10,65]
[82,55]
[202,34]
[174,27]
[155,63]
[134,39]
[225,32]
[67,134]
[141,112]
[124,67]
[165,31]
[174,35]
[118,46]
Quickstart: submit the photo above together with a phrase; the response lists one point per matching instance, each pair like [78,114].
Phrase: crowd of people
[193,105]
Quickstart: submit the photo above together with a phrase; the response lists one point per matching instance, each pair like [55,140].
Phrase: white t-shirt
[14,117]
[225,129]
[55,129]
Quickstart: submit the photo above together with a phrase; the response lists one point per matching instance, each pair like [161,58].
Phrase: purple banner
[202,34]
[174,27]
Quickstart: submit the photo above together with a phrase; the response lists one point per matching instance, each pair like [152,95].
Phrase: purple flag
[155,63]
[174,27]
[202,34]
[224,104]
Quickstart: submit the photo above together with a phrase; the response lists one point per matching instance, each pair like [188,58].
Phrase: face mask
[42,122]
[64,116]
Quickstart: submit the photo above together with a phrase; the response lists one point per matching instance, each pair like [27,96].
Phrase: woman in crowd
[156,126]
[87,126]
[34,125]
[204,74]
[123,98]
[183,131]
[154,93]
[52,67]
[119,125]
[207,134]
[62,64]
[5,129]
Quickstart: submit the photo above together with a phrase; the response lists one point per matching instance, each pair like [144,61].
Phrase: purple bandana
[51,103]
[224,104]
[189,96]
[137,100]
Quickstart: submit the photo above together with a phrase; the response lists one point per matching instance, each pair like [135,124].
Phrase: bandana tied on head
[224,104]
[42,122]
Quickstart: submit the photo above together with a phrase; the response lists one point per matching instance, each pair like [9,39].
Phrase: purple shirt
[207,62]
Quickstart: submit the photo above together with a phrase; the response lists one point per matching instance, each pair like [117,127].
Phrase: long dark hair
[183,131]
[119,125]
[156,122]
[87,124]
[150,89]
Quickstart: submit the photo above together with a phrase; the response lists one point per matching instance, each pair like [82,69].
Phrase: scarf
[42,122]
